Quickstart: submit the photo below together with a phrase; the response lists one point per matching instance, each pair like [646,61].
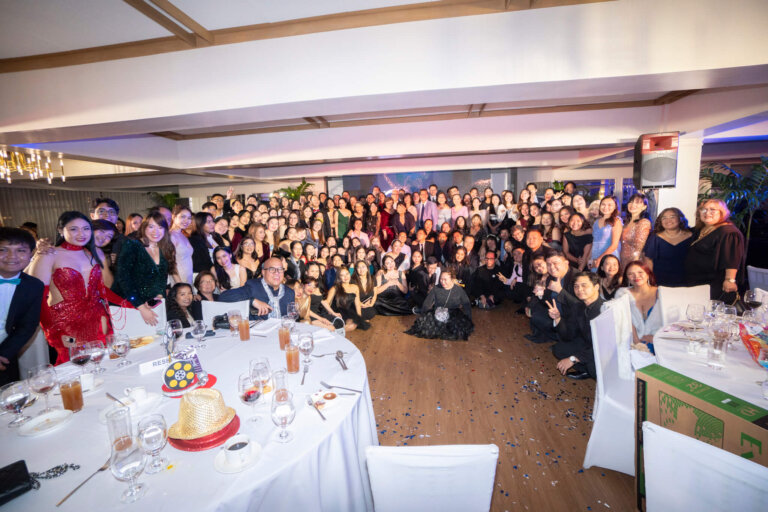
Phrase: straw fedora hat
[202,412]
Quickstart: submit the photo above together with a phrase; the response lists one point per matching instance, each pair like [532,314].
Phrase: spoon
[340,357]
[109,395]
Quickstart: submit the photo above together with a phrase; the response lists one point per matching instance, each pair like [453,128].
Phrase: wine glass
[42,379]
[714,305]
[259,370]
[283,412]
[97,351]
[120,345]
[13,397]
[126,462]
[79,354]
[153,434]
[695,314]
[721,332]
[175,328]
[249,390]
[752,299]
[762,358]
[306,346]
[198,331]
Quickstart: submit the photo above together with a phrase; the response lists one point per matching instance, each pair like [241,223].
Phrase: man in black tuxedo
[422,245]
[559,292]
[296,266]
[21,296]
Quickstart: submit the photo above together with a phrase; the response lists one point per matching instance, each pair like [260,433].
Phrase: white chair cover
[441,478]
[674,301]
[34,353]
[758,277]
[612,441]
[212,309]
[128,321]
[762,295]
[684,474]
[622,317]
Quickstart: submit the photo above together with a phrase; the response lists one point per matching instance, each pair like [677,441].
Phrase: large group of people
[343,260]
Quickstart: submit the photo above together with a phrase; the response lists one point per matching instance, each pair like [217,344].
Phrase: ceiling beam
[183,18]
[162,20]
[184,40]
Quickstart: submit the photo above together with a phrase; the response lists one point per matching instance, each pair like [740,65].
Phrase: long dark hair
[682,221]
[342,297]
[617,279]
[221,275]
[171,305]
[644,199]
[67,217]
[167,248]
[368,285]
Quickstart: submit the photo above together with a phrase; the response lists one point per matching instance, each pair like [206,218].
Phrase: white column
[686,190]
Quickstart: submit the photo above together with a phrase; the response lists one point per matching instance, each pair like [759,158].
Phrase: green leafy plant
[167,200]
[294,193]
[743,193]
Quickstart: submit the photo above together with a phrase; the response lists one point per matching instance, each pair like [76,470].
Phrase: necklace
[71,247]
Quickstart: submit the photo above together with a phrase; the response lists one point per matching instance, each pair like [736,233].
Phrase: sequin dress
[80,312]
[139,279]
[633,239]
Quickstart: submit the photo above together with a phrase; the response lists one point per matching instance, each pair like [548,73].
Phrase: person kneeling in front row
[574,350]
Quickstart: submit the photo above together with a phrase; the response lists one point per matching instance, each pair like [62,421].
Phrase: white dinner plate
[45,423]
[220,462]
[137,409]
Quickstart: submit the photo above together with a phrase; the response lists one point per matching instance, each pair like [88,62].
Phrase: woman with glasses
[667,247]
[716,255]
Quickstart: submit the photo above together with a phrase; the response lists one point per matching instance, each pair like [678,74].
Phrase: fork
[102,468]
[328,354]
[325,384]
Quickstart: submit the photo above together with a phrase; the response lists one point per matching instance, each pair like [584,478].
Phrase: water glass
[235,318]
[259,370]
[42,379]
[721,332]
[198,331]
[153,434]
[119,426]
[250,391]
[292,311]
[120,345]
[714,305]
[97,351]
[306,346]
[283,412]
[695,314]
[278,380]
[126,462]
[13,397]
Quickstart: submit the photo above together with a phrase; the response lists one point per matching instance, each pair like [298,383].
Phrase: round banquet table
[323,468]
[740,376]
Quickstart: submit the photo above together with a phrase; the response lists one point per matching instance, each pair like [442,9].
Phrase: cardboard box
[692,408]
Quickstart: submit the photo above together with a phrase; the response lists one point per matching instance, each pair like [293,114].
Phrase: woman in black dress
[391,288]
[460,268]
[447,312]
[205,284]
[203,242]
[577,242]
[716,255]
[610,277]
[343,301]
[182,306]
[315,314]
[366,287]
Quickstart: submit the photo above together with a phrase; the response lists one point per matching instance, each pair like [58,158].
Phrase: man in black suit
[422,245]
[21,296]
[559,293]
[296,266]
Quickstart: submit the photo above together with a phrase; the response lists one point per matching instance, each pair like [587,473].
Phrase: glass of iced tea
[292,358]
[284,333]
[245,329]
[234,317]
[71,393]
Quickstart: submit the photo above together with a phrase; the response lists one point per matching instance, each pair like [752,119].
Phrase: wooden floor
[496,388]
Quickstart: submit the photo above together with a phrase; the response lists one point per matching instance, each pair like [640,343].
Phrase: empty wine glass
[126,462]
[120,345]
[249,390]
[42,379]
[259,370]
[283,412]
[13,397]
[97,350]
[714,305]
[198,331]
[153,434]
[306,346]
[695,314]
[79,354]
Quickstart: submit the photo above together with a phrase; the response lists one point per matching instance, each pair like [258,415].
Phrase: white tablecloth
[740,377]
[323,468]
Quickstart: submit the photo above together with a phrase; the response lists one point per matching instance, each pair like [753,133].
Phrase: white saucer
[220,462]
[137,409]
[97,383]
[45,423]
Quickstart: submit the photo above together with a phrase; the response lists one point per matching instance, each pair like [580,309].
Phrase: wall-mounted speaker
[656,160]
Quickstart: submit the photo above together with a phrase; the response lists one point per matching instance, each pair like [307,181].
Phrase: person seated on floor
[559,291]
[511,276]
[534,245]
[486,288]
[446,313]
[574,348]
[181,305]
[424,282]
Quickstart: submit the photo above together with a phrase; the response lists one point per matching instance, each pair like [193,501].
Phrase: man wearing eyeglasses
[104,208]
[268,296]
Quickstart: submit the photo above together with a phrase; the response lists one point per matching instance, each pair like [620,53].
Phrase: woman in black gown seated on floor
[367,288]
[447,312]
[343,300]
[391,288]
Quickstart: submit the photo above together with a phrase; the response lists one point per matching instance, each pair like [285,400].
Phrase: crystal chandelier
[37,166]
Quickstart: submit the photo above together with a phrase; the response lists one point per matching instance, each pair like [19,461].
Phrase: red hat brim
[207,442]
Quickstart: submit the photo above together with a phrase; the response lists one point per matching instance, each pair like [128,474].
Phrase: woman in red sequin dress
[74,309]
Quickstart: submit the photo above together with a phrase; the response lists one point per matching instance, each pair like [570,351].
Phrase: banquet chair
[34,353]
[444,478]
[128,321]
[683,474]
[674,301]
[212,309]
[762,295]
[612,442]
[758,277]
